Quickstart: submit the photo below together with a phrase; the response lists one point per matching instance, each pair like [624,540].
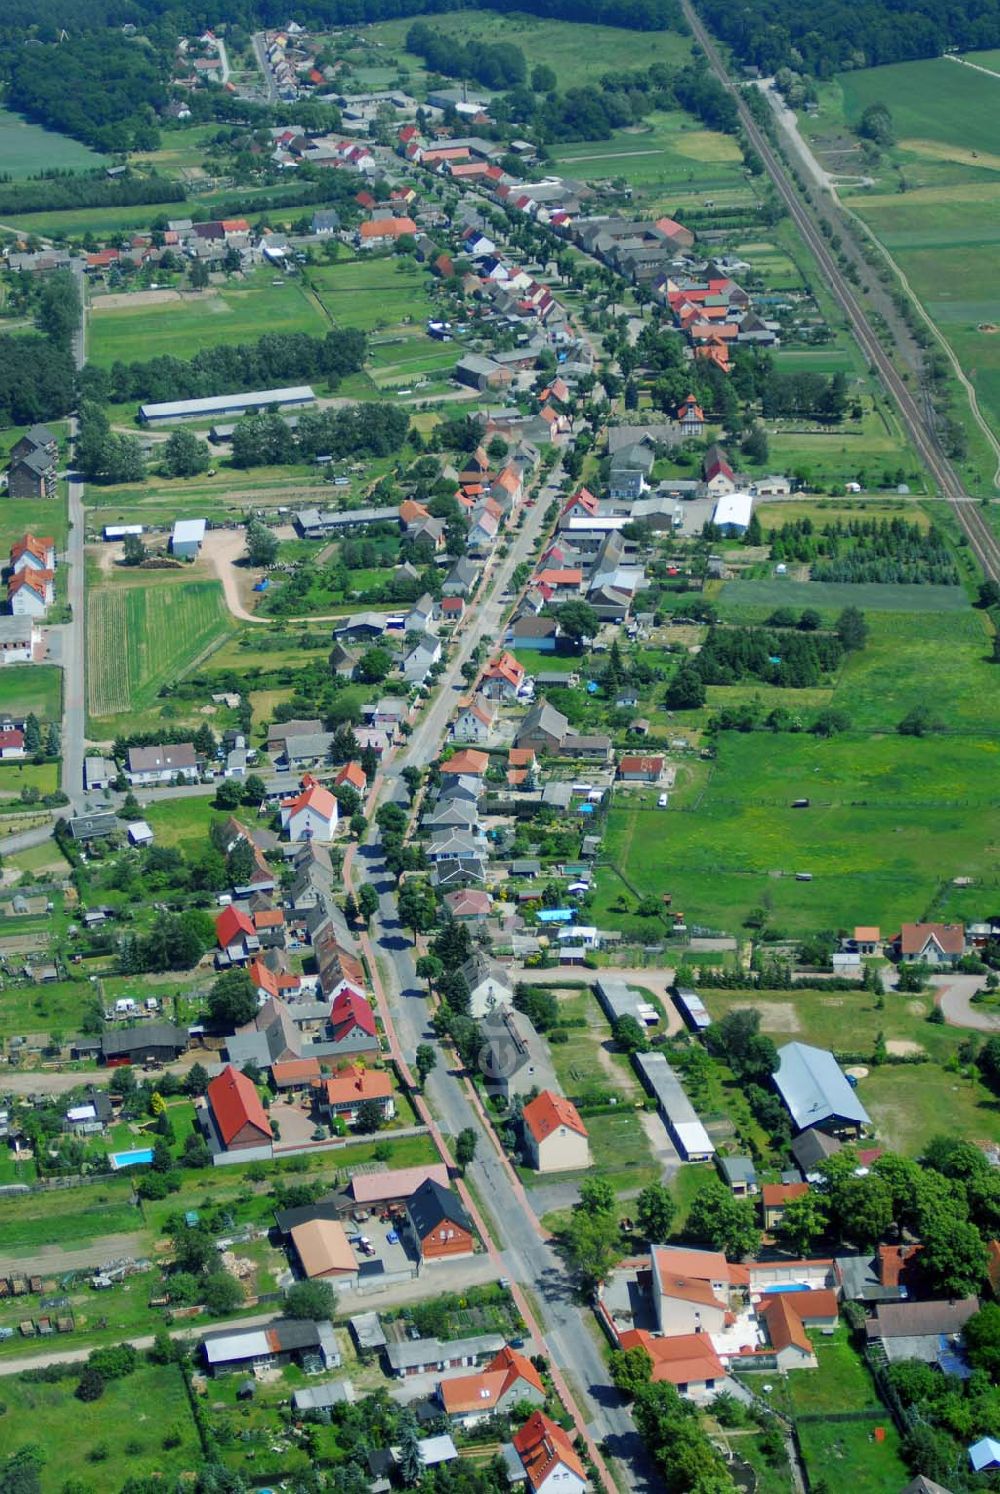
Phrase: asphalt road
[73,651]
[260,52]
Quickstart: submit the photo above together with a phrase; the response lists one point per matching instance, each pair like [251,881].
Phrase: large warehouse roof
[733,508]
[227,404]
[815,1088]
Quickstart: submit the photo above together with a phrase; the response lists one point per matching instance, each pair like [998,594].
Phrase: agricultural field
[31,687]
[181,322]
[935,202]
[667,154]
[140,635]
[142,1422]
[27,149]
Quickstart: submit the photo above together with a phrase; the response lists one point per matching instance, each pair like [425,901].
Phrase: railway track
[982,541]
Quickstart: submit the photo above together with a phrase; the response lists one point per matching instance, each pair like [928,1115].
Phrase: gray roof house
[488,983]
[461,579]
[543,728]
[816,1091]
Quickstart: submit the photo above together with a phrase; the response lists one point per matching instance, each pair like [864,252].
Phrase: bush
[114,1362]
[91,1385]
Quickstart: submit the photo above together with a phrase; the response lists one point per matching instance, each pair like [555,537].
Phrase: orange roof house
[469,760]
[386,228]
[504,676]
[237,1111]
[354,776]
[347,1091]
[38,551]
[312,814]
[412,512]
[688,1361]
[785,1316]
[272,982]
[295,1073]
[548,1457]
[556,1137]
[507,1379]
[775,1198]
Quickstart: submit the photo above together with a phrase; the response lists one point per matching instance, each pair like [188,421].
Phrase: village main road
[528,1257]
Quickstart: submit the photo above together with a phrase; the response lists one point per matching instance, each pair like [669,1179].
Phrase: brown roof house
[930,943]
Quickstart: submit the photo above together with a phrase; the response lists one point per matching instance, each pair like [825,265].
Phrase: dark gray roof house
[155,1040]
[431,1205]
[93,826]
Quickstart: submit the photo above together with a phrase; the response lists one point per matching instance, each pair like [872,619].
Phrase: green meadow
[891,819]
[578,53]
[31,687]
[142,1422]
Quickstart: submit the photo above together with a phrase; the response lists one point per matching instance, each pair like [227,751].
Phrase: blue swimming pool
[142,1156]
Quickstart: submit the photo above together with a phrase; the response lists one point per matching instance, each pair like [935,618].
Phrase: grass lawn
[22,515]
[375,294]
[31,687]
[16,776]
[847,1454]
[142,1422]
[40,860]
[140,636]
[744,597]
[910,1105]
[240,311]
[27,150]
[839,510]
[184,823]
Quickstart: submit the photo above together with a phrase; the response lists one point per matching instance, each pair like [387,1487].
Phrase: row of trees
[371,430]
[822,37]
[91,189]
[275,359]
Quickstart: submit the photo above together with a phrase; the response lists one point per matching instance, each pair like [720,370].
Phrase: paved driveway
[954,996]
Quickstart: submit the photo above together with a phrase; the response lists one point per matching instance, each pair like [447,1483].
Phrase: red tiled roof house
[237,1120]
